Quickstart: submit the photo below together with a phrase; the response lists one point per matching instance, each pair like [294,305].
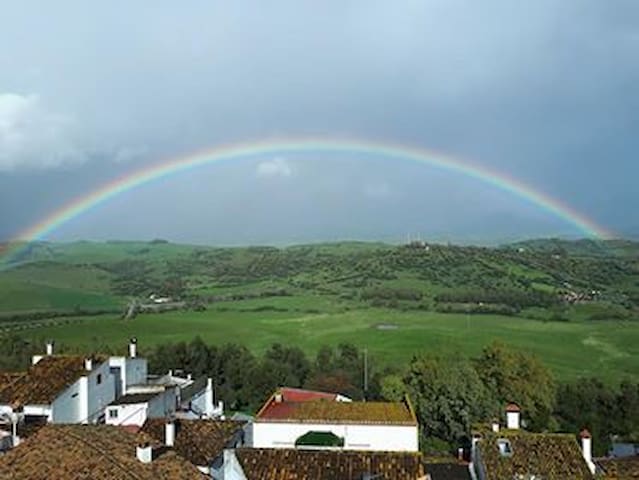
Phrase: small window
[113,413]
[74,395]
[505,449]
[98,379]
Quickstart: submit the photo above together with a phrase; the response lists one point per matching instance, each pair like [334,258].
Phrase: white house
[60,388]
[309,420]
[136,408]
[128,370]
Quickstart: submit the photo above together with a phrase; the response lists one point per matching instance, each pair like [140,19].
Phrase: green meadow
[571,349]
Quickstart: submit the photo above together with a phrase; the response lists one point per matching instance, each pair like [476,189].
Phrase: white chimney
[513,414]
[169,433]
[208,398]
[50,345]
[88,364]
[133,347]
[586,449]
[144,452]
[495,425]
[279,398]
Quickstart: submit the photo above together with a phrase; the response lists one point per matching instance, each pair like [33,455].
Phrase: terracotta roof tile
[325,411]
[550,456]
[96,452]
[43,381]
[199,441]
[283,464]
[626,468]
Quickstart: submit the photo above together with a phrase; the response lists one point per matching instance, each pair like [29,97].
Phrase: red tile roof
[548,456]
[626,468]
[42,383]
[300,395]
[96,452]
[328,411]
[284,464]
[199,441]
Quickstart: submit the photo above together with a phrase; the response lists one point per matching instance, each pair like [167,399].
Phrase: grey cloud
[543,91]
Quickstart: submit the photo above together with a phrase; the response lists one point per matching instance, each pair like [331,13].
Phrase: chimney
[88,364]
[144,452]
[586,449]
[169,433]
[475,438]
[278,398]
[495,425]
[208,398]
[133,347]
[513,414]
[50,345]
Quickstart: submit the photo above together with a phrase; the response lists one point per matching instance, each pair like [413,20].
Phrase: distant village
[106,417]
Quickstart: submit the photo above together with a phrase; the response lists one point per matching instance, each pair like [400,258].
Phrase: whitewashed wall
[129,414]
[99,395]
[133,371]
[397,438]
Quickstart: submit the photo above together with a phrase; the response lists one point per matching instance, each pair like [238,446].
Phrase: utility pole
[365,373]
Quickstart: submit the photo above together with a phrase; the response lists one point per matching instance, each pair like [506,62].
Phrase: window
[113,413]
[505,450]
[98,379]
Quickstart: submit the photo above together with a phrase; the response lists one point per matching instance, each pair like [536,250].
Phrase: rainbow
[121,185]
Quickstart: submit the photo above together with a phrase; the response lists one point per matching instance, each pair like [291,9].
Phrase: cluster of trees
[244,380]
[516,299]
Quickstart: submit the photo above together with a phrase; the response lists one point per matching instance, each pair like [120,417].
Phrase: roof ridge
[104,455]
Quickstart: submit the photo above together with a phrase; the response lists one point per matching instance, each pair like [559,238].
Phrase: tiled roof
[448,471]
[9,377]
[300,395]
[133,398]
[326,411]
[42,383]
[283,464]
[626,468]
[550,456]
[96,452]
[199,441]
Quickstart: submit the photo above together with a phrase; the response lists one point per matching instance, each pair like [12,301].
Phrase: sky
[545,92]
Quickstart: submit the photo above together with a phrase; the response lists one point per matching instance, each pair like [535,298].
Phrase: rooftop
[199,441]
[327,411]
[42,382]
[550,456]
[626,468]
[282,464]
[99,452]
[448,471]
[134,398]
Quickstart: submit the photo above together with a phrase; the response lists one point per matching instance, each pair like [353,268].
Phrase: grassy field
[608,350]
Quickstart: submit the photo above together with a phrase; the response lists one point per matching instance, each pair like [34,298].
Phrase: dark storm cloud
[546,91]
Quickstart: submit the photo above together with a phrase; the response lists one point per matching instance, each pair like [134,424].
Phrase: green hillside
[574,303]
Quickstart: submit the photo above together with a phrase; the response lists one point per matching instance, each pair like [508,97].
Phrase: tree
[447,395]
[292,360]
[392,387]
[588,403]
[519,377]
